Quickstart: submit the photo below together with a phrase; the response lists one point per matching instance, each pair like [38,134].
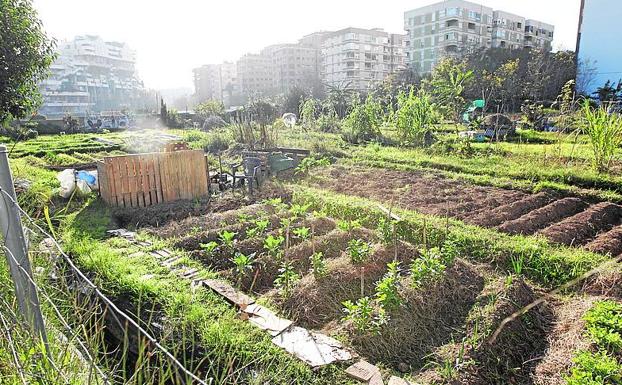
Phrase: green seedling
[358,250]
[318,265]
[209,247]
[303,233]
[345,225]
[286,279]
[272,245]
[299,210]
[260,226]
[387,289]
[365,317]
[428,268]
[243,265]
[227,238]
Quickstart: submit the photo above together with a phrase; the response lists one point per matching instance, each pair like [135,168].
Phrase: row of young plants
[274,243]
[548,264]
[603,364]
[232,350]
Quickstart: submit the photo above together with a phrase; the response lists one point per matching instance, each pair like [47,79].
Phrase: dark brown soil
[510,211]
[210,221]
[609,242]
[580,228]
[425,192]
[428,318]
[315,302]
[542,217]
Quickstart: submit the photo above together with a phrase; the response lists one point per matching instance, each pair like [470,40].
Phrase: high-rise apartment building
[356,58]
[215,81]
[294,65]
[91,75]
[255,74]
[455,27]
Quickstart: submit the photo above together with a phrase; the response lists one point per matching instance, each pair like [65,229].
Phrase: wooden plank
[144,174]
[157,179]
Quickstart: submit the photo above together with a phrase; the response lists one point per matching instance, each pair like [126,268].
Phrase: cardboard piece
[232,295]
[313,348]
[265,319]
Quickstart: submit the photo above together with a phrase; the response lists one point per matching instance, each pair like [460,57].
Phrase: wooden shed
[147,179]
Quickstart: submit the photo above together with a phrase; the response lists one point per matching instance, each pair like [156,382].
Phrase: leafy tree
[292,101]
[610,92]
[448,82]
[25,55]
[340,97]
[209,108]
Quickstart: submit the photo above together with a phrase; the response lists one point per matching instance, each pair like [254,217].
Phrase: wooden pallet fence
[147,179]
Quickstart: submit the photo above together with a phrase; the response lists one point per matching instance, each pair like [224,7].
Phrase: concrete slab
[313,348]
[266,320]
[123,233]
[229,292]
[376,379]
[363,371]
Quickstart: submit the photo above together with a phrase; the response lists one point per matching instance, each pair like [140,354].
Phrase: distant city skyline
[171,39]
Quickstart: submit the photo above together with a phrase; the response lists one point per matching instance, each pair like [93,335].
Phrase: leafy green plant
[605,133]
[363,122]
[310,162]
[415,118]
[604,325]
[260,226]
[595,369]
[286,279]
[385,230]
[427,268]
[209,247]
[365,317]
[302,233]
[227,238]
[243,265]
[273,244]
[318,265]
[358,250]
[387,289]
[299,210]
[346,225]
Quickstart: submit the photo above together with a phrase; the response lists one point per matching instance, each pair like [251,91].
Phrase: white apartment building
[446,28]
[538,35]
[91,75]
[508,30]
[255,74]
[294,65]
[215,81]
[356,58]
[455,27]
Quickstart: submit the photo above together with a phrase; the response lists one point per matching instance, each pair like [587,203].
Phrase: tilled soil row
[579,229]
[544,216]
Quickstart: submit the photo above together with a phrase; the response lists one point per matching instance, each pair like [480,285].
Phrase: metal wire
[104,298]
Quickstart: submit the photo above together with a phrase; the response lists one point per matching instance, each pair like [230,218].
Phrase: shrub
[605,133]
[387,289]
[429,267]
[415,118]
[329,122]
[212,122]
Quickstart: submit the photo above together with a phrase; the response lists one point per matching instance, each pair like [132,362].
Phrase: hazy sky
[172,37]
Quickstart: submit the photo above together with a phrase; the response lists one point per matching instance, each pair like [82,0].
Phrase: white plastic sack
[83,187]
[67,181]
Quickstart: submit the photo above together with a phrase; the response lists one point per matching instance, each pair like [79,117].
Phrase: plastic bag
[90,177]
[67,181]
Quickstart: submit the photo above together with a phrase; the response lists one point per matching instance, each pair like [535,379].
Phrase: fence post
[17,250]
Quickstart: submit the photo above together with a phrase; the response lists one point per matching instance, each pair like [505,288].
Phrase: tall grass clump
[605,133]
[415,118]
